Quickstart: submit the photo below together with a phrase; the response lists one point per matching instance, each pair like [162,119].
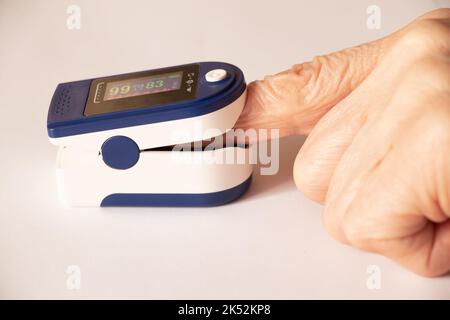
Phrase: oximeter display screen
[152,88]
[144,85]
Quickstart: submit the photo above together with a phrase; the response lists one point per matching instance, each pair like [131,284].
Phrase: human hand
[378,151]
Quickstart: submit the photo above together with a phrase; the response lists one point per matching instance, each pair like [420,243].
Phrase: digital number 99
[123,90]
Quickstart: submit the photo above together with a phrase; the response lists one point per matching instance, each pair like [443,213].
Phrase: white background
[269,244]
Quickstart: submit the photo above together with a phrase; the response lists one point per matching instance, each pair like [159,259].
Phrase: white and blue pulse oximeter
[111,132]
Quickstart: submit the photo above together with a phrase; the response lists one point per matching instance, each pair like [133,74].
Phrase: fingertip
[306,179]
[332,225]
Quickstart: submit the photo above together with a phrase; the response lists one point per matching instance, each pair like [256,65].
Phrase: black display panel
[142,89]
[141,86]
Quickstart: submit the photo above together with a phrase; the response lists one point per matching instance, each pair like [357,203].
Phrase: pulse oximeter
[115,135]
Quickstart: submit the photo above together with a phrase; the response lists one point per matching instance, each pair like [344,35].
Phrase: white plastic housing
[85,180]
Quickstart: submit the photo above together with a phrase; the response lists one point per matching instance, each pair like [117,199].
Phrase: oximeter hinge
[120,152]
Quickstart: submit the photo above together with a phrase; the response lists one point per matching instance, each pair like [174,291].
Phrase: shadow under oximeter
[110,131]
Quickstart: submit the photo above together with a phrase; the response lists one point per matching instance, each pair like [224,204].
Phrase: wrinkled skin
[377,153]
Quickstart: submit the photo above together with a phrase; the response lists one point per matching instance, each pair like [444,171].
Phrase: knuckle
[432,72]
[438,123]
[424,94]
[426,36]
[434,98]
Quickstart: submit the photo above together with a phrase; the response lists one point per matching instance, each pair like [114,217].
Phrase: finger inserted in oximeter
[110,131]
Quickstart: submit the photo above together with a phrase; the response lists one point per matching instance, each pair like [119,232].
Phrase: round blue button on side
[120,152]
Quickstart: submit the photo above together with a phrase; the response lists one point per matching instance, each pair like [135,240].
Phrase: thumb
[294,100]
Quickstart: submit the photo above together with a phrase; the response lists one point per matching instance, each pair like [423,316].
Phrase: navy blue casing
[177,200]
[66,112]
